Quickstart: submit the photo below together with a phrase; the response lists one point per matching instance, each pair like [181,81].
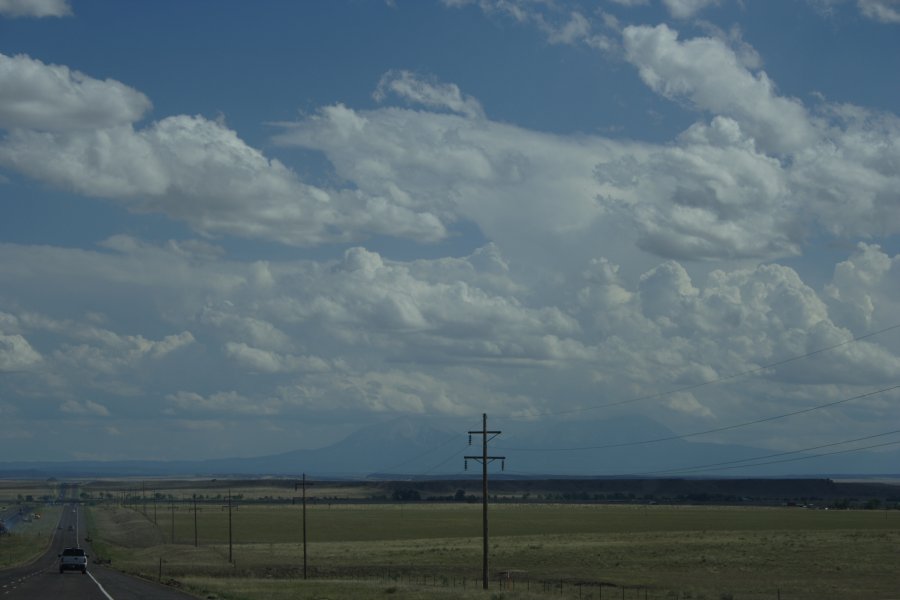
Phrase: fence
[512,581]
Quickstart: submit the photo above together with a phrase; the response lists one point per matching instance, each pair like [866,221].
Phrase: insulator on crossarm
[470,439]
[502,465]
[466,466]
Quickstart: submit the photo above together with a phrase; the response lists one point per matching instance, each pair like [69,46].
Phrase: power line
[446,460]
[453,438]
[718,379]
[715,466]
[811,456]
[706,431]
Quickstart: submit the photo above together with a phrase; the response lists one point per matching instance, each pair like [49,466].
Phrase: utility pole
[484,459]
[194,498]
[230,554]
[303,484]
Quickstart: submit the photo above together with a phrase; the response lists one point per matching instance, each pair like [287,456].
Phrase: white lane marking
[91,575]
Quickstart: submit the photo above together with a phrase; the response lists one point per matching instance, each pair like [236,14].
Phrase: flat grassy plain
[431,550]
[29,538]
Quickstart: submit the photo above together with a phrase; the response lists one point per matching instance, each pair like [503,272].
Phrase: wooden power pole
[484,459]
[303,485]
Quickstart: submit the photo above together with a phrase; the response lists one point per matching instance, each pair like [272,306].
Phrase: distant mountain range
[409,447]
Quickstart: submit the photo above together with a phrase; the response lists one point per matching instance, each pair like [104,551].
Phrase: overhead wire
[753,461]
[670,392]
[695,386]
[705,431]
[423,454]
[811,456]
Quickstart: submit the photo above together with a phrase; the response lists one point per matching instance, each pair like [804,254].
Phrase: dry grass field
[429,550]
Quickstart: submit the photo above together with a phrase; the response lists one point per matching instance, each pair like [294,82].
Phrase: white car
[73,559]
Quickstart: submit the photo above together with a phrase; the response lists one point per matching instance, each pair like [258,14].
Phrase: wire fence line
[512,581]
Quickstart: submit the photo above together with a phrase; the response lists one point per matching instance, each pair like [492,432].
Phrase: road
[41,580]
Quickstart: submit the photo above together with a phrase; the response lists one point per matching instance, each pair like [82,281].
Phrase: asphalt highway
[41,580]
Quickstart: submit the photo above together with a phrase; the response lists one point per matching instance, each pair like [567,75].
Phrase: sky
[240,228]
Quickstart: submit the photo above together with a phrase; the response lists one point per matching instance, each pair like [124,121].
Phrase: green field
[425,550]
[32,535]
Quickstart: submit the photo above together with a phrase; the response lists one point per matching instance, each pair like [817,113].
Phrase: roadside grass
[29,539]
[252,589]
[668,551]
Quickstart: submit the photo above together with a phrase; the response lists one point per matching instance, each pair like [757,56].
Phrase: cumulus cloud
[557,298]
[753,182]
[864,292]
[559,25]
[16,354]
[34,95]
[377,335]
[432,94]
[257,359]
[86,408]
[221,403]
[464,169]
[673,331]
[683,9]
[763,174]
[35,8]
[708,75]
[198,171]
[78,133]
[712,195]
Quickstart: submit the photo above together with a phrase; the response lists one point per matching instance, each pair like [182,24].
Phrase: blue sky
[232,228]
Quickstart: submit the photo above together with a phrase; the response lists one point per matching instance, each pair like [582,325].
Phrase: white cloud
[35,8]
[683,9]
[459,168]
[367,333]
[16,354]
[86,408]
[78,133]
[202,173]
[712,195]
[222,403]
[686,403]
[267,361]
[559,298]
[34,95]
[849,179]
[432,94]
[864,293]
[558,24]
[708,75]
[886,11]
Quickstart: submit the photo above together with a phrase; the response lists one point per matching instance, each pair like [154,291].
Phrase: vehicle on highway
[73,559]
